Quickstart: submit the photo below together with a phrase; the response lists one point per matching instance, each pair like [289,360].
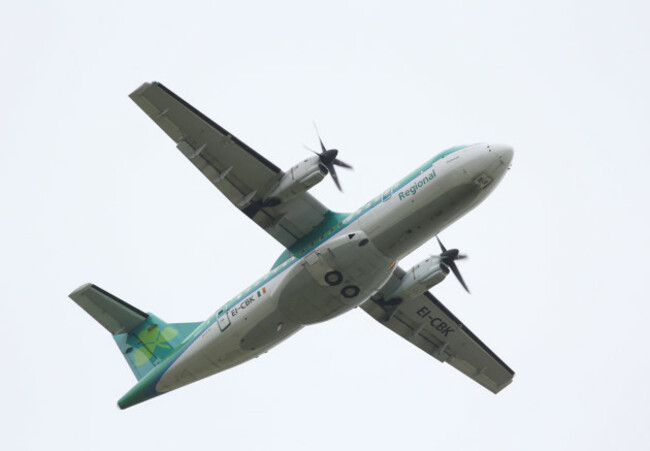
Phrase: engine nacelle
[297,180]
[420,278]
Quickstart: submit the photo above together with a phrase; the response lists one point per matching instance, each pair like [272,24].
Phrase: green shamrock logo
[151,338]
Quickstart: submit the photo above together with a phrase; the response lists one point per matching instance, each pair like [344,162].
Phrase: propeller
[448,258]
[328,159]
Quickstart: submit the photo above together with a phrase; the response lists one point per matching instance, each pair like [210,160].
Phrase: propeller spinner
[448,258]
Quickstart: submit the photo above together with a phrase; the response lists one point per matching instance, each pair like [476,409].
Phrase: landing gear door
[223,319]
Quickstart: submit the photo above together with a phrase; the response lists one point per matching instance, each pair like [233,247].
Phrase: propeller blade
[448,258]
[310,149]
[342,163]
[335,177]
[322,146]
[442,246]
[456,272]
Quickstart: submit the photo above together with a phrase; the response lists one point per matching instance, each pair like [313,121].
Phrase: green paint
[329,226]
[284,256]
[151,338]
[151,342]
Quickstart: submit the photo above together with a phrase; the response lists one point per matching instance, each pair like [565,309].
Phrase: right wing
[240,173]
[429,325]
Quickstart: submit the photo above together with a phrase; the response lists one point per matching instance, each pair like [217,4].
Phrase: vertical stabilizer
[144,339]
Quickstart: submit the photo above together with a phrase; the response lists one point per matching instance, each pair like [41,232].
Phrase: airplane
[333,262]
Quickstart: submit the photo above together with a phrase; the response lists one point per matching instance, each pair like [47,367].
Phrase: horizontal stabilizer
[110,311]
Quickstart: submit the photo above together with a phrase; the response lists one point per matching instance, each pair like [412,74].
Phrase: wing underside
[429,325]
[235,169]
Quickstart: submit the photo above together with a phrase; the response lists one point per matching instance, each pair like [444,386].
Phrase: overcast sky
[91,190]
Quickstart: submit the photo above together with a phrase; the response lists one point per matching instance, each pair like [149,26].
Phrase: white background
[92,191]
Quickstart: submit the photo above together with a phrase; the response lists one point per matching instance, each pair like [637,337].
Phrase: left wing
[429,325]
[240,173]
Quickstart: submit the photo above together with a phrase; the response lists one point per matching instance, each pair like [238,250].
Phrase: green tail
[144,339]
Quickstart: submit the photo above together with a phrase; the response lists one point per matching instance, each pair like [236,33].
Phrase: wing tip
[471,334]
[504,385]
[81,290]
[142,88]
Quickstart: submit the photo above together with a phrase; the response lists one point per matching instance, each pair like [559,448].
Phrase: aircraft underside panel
[333,279]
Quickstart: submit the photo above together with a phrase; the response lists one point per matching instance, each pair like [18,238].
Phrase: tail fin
[144,339]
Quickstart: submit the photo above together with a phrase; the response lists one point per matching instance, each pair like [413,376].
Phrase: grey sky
[92,191]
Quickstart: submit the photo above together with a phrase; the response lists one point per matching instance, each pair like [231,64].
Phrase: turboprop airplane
[333,262]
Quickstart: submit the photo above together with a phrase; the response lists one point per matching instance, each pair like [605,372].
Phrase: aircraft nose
[504,152]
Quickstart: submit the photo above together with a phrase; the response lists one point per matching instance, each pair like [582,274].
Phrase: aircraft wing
[429,325]
[240,173]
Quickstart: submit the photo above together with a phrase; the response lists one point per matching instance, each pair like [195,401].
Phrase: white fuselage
[344,269]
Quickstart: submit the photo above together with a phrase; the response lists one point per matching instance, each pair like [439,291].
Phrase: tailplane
[144,339]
